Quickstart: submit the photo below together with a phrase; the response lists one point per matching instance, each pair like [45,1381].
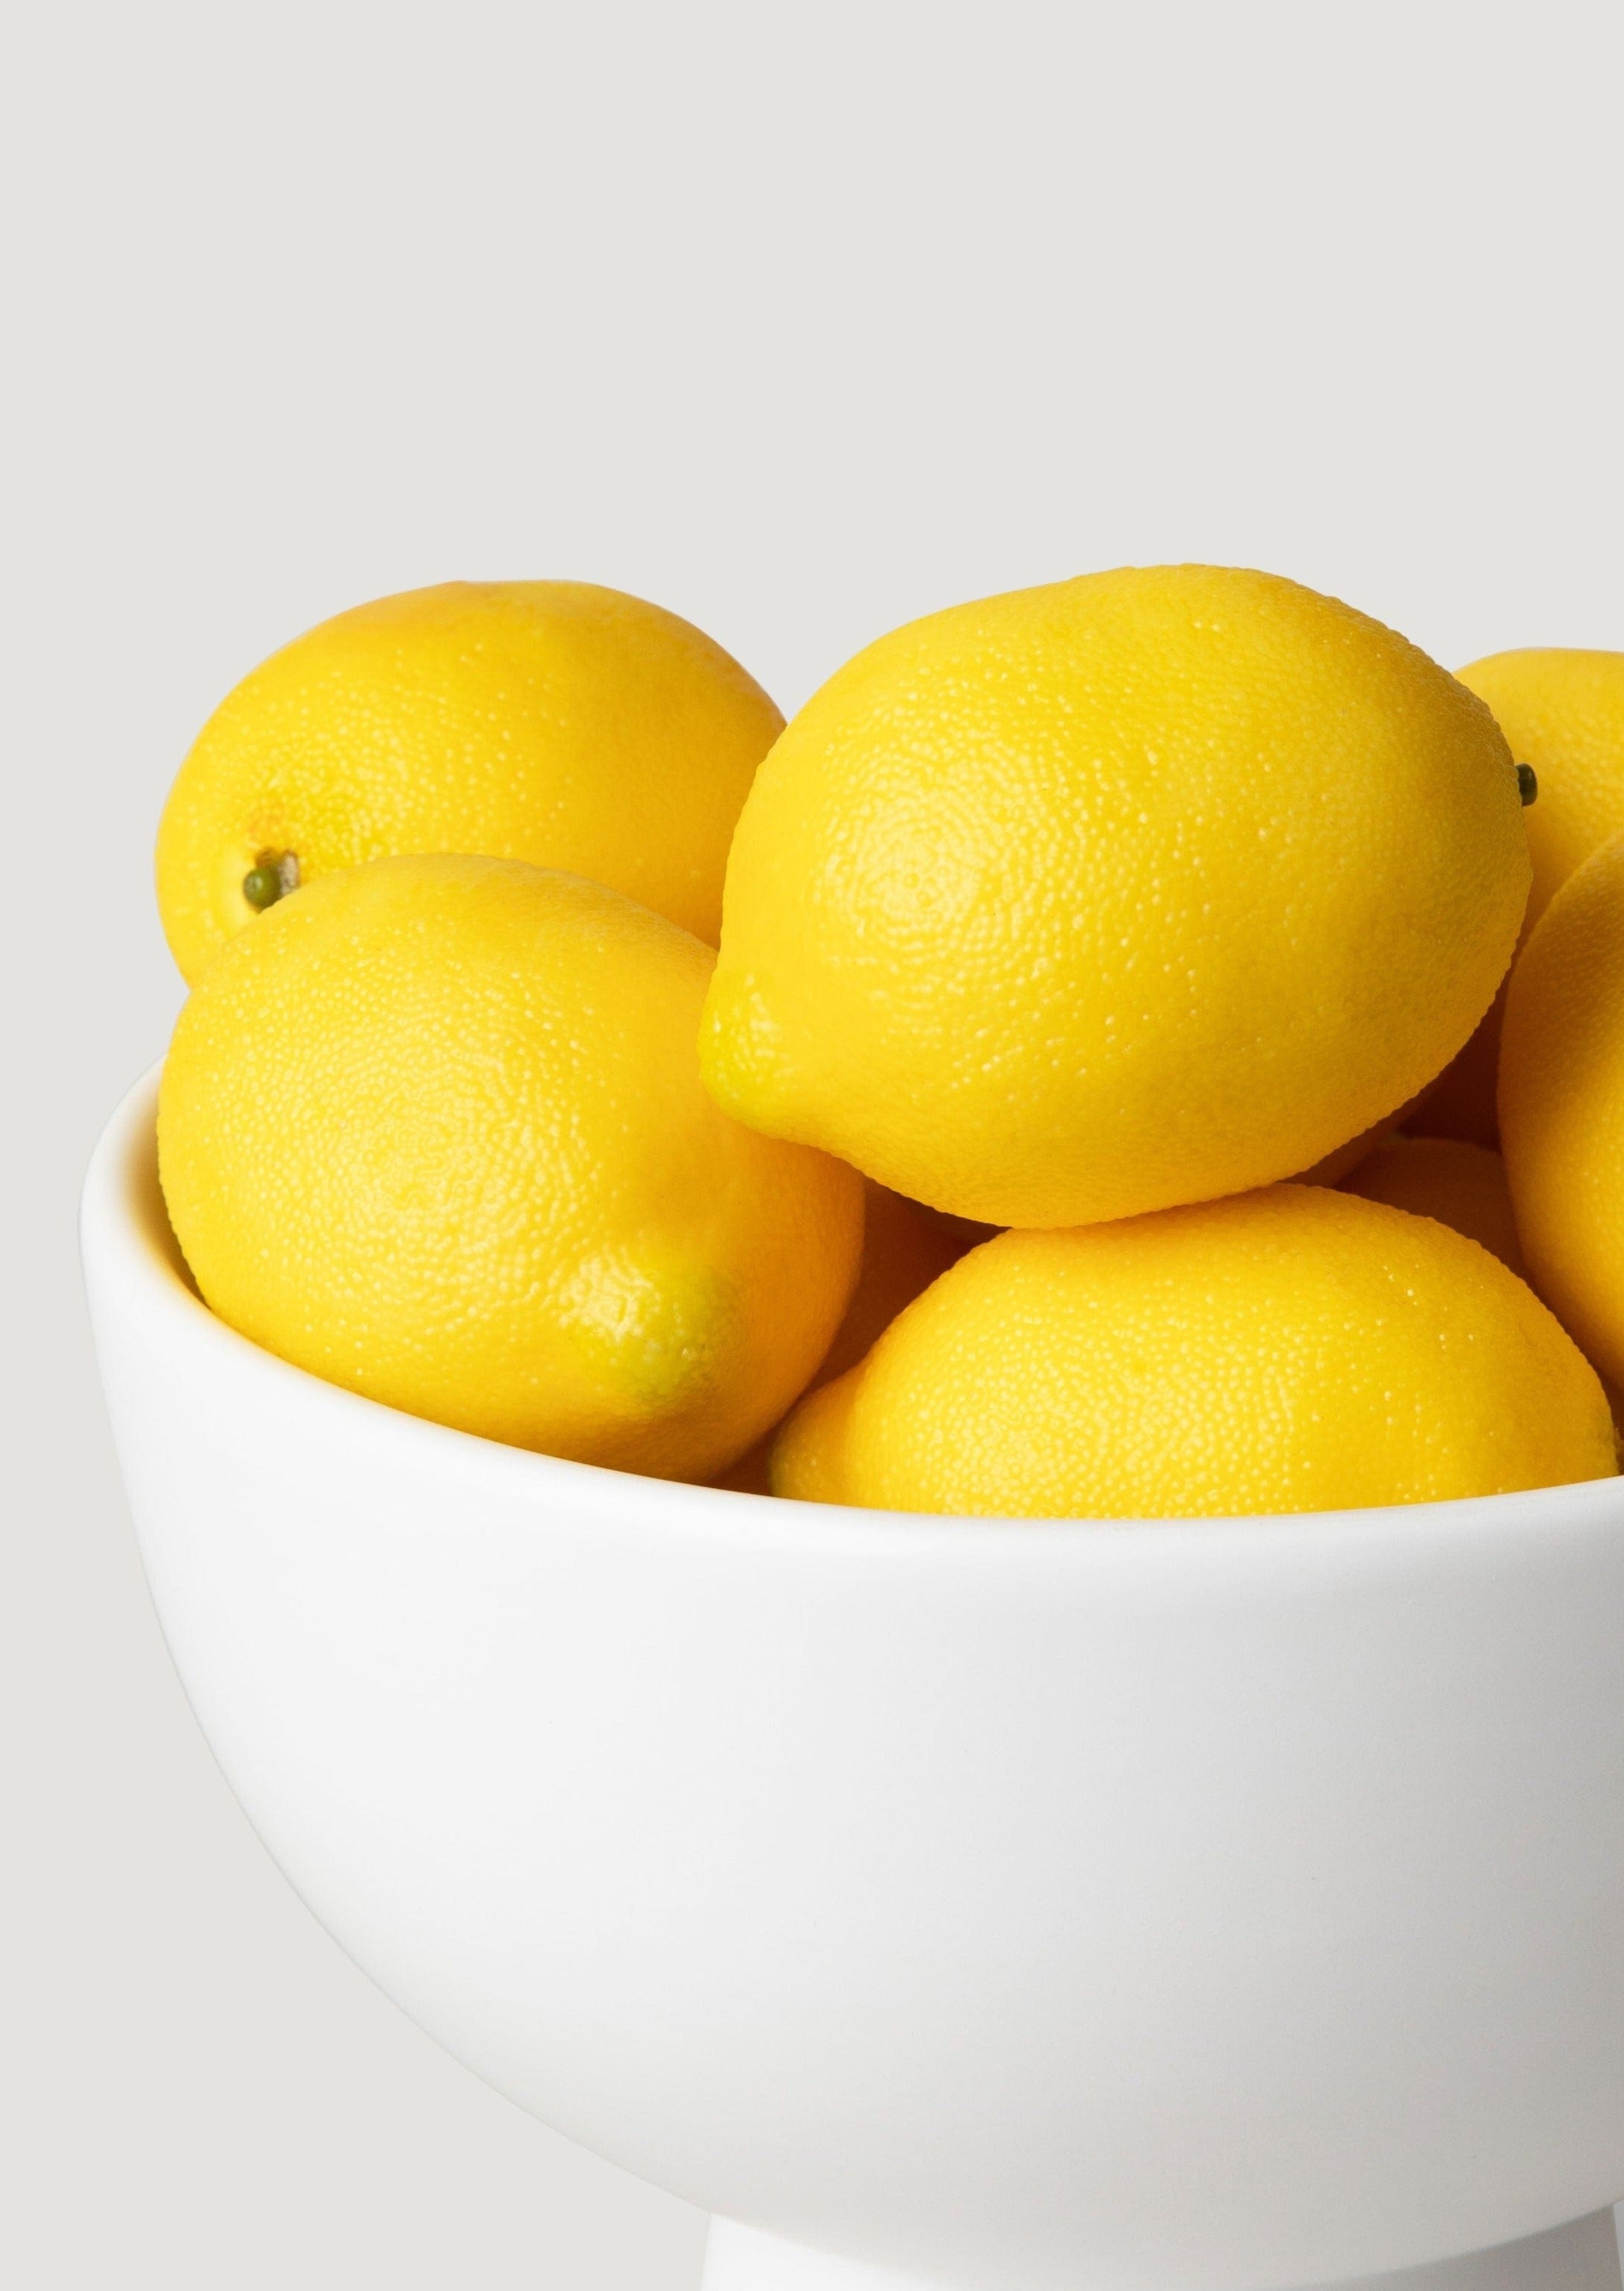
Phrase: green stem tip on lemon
[273,874]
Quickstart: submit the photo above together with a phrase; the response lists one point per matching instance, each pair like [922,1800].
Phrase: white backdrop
[802,320]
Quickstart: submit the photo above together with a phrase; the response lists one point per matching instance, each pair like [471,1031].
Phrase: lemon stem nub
[273,874]
[1528,783]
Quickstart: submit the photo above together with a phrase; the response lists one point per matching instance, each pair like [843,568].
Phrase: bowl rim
[126,1244]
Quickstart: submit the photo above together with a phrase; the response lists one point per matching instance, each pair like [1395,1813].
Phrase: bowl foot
[1583,2255]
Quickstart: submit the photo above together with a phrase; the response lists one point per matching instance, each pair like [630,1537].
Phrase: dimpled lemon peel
[1292,1350]
[1562,1104]
[904,1248]
[1561,711]
[434,1130]
[1461,1104]
[1137,889]
[1461,1184]
[548,721]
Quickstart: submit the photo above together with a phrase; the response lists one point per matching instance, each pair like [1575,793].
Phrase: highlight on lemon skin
[1146,888]
[1292,1350]
[554,721]
[434,1130]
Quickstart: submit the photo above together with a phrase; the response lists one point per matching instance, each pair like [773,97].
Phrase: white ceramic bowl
[1197,1906]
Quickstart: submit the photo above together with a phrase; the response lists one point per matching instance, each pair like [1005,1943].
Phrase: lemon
[1461,1184]
[904,1248]
[1460,1104]
[547,720]
[1562,1104]
[1291,1350]
[1562,712]
[1333,1167]
[1137,889]
[434,1130]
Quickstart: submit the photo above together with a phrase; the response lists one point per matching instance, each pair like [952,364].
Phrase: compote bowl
[1208,1905]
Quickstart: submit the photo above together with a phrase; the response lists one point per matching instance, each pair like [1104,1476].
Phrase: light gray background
[802,319]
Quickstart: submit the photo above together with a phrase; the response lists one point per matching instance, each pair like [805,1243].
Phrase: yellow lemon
[1562,712]
[1461,1184]
[547,720]
[1460,1104]
[1334,1166]
[904,1248]
[1562,1104]
[434,1130]
[1137,889]
[1291,1350]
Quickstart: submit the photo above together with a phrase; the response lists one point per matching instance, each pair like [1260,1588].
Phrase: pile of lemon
[1059,1073]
